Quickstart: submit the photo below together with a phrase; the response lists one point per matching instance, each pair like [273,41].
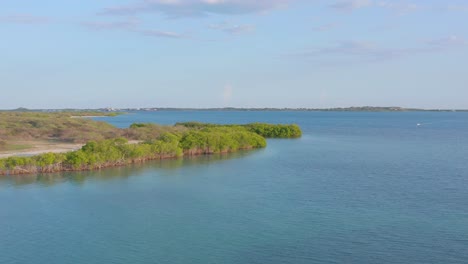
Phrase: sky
[233,53]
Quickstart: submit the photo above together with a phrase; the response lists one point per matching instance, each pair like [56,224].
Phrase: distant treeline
[300,109]
[156,142]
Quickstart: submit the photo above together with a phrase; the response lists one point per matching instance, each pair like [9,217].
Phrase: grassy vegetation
[108,146]
[58,126]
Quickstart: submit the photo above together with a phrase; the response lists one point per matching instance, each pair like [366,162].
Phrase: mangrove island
[99,144]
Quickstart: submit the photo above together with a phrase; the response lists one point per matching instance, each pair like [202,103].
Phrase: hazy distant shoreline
[335,109]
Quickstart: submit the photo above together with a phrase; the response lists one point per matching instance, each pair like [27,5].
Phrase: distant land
[334,109]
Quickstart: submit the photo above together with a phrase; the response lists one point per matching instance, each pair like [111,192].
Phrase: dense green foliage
[262,129]
[113,152]
[149,131]
[220,139]
[275,131]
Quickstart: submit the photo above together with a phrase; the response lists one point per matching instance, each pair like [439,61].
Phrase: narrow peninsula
[95,145]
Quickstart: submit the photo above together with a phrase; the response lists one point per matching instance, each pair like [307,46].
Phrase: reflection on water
[49,179]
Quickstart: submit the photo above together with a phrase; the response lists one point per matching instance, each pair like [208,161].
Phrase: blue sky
[240,53]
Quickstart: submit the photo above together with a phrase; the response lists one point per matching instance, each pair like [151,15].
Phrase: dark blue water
[356,188]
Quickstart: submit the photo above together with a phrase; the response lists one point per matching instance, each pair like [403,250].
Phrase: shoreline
[57,168]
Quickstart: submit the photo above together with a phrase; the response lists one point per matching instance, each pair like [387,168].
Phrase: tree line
[262,129]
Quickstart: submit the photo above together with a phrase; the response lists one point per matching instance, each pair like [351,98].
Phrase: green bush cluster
[220,139]
[262,129]
[96,154]
[275,131]
[42,162]
[118,151]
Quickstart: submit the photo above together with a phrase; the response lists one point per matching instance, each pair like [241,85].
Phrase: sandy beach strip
[41,149]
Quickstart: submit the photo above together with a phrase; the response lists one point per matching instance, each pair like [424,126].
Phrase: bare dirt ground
[40,147]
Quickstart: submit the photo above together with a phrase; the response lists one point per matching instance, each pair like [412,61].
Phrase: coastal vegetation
[108,146]
[16,126]
[262,129]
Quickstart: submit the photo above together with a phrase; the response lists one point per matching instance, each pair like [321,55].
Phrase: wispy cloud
[190,8]
[366,51]
[457,7]
[350,5]
[232,29]
[24,19]
[360,51]
[122,25]
[133,26]
[447,42]
[398,6]
[325,27]
[163,34]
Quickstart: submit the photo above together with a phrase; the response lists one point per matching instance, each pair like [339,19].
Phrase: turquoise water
[356,188]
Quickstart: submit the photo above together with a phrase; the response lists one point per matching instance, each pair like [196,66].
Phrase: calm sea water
[356,188]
